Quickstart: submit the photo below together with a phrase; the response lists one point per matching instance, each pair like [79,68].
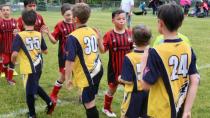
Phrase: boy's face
[31,6]
[119,20]
[68,16]
[6,11]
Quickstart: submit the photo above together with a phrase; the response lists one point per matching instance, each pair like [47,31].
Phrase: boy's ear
[76,20]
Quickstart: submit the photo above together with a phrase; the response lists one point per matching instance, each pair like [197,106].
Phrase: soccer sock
[43,95]
[5,70]
[30,102]
[92,112]
[56,88]
[107,101]
[10,71]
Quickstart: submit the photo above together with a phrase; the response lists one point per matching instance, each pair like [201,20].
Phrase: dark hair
[141,35]
[29,17]
[65,7]
[82,12]
[117,12]
[26,2]
[172,16]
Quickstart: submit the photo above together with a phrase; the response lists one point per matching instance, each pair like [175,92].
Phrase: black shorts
[61,61]
[88,93]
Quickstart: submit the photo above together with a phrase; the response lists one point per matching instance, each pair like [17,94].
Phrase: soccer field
[12,98]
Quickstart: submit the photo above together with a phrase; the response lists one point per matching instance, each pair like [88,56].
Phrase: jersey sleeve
[20,24]
[56,33]
[127,70]
[17,43]
[43,45]
[106,39]
[42,20]
[193,68]
[152,70]
[71,48]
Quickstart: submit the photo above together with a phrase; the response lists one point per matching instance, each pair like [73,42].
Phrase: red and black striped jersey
[61,33]
[118,45]
[6,31]
[37,27]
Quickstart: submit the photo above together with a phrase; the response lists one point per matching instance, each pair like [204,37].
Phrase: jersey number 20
[180,67]
[91,44]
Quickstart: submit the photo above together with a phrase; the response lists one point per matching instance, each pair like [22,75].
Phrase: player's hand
[98,32]
[45,29]
[69,84]
[15,31]
[186,115]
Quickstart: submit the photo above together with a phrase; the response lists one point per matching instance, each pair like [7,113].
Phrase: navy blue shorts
[88,93]
[32,83]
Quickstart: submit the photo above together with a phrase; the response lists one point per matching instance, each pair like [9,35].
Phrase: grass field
[12,98]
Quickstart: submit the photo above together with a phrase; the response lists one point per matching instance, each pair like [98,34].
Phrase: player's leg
[1,64]
[43,95]
[10,72]
[59,83]
[108,97]
[125,104]
[31,88]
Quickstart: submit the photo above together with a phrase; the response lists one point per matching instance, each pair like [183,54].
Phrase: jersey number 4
[180,67]
[91,44]
[32,43]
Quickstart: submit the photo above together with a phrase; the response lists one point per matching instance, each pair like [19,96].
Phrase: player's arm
[193,86]
[128,72]
[16,45]
[101,42]
[71,52]
[43,46]
[46,30]
[150,68]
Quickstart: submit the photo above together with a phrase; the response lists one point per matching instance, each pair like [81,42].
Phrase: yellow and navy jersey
[82,49]
[131,71]
[29,44]
[167,70]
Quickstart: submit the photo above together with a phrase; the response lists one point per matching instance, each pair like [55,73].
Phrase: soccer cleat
[28,116]
[50,108]
[11,82]
[109,113]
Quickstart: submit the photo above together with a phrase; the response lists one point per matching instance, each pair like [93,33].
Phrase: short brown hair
[141,35]
[82,12]
[65,7]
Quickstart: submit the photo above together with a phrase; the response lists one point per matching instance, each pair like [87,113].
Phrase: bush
[42,6]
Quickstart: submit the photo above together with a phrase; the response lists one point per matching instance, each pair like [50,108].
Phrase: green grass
[12,98]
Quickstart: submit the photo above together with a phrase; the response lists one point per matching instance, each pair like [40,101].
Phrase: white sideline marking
[24,111]
[204,67]
[63,103]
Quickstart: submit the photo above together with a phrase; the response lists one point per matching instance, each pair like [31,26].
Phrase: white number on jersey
[32,43]
[138,71]
[180,67]
[91,44]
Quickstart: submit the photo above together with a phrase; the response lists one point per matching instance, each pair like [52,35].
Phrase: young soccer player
[28,47]
[31,5]
[60,33]
[82,58]
[170,71]
[118,42]
[134,103]
[8,26]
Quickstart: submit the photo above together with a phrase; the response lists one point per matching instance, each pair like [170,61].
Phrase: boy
[83,59]
[134,104]
[28,47]
[118,42]
[31,5]
[60,33]
[170,71]
[8,26]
